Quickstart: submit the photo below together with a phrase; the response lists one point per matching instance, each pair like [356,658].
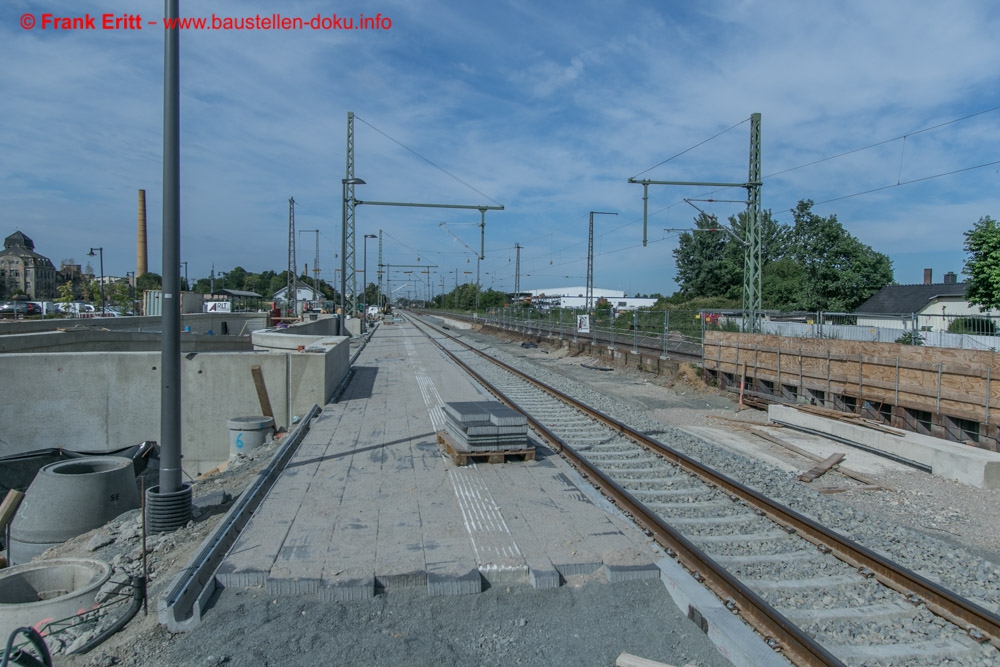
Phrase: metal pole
[343,262]
[635,331]
[170,351]
[103,302]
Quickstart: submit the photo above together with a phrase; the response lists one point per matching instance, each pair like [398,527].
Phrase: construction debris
[825,465]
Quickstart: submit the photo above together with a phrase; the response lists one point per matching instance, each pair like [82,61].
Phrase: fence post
[666,334]
[635,332]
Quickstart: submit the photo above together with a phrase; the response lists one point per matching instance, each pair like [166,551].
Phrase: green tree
[982,242]
[839,272]
[147,281]
[710,263]
[66,294]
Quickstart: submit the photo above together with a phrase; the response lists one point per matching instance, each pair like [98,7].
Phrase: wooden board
[460,457]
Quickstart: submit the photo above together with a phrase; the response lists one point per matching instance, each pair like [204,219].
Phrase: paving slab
[369,503]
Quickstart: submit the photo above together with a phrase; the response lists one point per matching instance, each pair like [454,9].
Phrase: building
[25,271]
[303,294]
[926,307]
[576,298]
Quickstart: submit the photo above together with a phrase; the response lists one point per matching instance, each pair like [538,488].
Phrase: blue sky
[545,107]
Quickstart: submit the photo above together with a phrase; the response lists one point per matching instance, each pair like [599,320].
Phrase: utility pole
[752,262]
[590,259]
[752,284]
[291,305]
[517,272]
[347,261]
[380,269]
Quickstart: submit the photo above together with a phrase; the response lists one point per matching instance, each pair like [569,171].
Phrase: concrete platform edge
[732,637]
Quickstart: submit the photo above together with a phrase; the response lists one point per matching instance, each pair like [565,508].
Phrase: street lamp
[130,275]
[343,252]
[91,254]
[364,291]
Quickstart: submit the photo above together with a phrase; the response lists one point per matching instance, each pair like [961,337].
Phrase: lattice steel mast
[350,279]
[291,305]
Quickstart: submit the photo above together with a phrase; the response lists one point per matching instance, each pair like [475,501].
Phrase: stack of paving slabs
[486,426]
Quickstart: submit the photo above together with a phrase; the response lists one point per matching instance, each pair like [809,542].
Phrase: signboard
[218,306]
[583,323]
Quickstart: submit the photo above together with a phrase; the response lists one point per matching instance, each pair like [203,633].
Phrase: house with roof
[303,294]
[23,269]
[927,307]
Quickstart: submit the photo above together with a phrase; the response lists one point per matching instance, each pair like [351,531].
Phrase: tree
[711,263]
[147,281]
[982,242]
[839,273]
[66,293]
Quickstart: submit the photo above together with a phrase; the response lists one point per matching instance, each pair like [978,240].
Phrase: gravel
[942,529]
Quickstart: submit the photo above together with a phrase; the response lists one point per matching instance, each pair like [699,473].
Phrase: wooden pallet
[462,458]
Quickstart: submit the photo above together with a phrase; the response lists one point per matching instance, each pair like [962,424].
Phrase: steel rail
[980,623]
[781,634]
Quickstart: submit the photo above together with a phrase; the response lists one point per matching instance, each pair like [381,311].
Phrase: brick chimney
[927,276]
[950,278]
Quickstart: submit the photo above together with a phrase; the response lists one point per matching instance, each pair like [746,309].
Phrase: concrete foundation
[962,463]
[38,593]
[96,401]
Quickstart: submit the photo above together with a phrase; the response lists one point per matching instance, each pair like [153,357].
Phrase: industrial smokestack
[927,277]
[141,255]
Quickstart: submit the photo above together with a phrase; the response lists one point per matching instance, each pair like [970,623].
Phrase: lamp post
[187,285]
[91,254]
[364,290]
[130,275]
[343,252]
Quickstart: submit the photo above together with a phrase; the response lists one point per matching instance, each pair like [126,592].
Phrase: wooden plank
[823,467]
[629,660]
[265,401]
[8,508]
[846,472]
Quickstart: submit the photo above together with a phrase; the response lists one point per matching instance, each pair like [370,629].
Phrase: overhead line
[910,182]
[881,143]
[441,169]
[686,150]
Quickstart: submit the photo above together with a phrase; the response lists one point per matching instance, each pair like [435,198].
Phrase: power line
[882,143]
[686,150]
[910,182]
[441,169]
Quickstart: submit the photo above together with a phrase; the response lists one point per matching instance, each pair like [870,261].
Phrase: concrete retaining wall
[962,463]
[219,324]
[97,340]
[99,401]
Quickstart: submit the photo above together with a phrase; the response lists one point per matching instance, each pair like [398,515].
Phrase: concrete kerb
[969,465]
[181,606]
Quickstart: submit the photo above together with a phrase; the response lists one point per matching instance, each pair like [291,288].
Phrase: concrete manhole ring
[40,592]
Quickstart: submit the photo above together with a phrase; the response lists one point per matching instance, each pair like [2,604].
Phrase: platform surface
[369,502]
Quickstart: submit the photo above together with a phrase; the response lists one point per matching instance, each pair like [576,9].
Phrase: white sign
[583,323]
[218,307]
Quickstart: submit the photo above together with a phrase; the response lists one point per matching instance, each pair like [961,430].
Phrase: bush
[982,326]
[911,338]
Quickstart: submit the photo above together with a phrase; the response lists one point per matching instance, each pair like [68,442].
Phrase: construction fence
[943,392]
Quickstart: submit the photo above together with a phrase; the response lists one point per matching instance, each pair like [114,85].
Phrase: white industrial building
[576,297]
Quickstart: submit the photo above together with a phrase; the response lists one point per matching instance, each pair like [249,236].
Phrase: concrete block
[616,574]
[969,465]
[732,637]
[404,580]
[441,584]
[543,574]
[230,577]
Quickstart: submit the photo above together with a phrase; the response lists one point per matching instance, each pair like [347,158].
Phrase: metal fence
[670,331]
[961,331]
[682,331]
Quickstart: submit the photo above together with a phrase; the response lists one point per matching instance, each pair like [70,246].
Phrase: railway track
[816,596]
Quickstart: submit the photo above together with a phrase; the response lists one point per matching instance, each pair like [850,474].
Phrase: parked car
[22,308]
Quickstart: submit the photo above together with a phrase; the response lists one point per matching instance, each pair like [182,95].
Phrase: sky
[883,113]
